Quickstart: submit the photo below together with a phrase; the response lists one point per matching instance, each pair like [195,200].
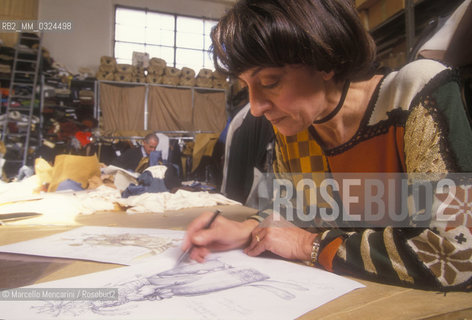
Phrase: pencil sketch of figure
[188,279]
[155,244]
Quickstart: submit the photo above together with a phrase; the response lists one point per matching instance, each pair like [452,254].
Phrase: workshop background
[100,75]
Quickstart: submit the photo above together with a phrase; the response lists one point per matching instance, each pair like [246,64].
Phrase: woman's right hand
[223,234]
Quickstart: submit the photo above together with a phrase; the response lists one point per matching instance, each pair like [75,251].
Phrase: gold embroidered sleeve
[422,143]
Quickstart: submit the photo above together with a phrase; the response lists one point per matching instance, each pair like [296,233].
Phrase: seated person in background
[131,158]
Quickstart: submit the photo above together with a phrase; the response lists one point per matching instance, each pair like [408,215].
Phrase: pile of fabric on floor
[81,185]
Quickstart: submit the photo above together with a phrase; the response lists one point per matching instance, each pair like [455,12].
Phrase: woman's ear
[327,75]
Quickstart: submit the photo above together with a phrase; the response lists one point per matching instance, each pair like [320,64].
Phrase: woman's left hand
[288,242]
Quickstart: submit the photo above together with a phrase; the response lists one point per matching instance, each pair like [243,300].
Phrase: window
[180,40]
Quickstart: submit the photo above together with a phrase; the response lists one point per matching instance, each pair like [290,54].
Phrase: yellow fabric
[142,165]
[76,168]
[204,144]
[43,170]
[3,149]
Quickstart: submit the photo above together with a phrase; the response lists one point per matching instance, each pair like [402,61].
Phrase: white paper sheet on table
[228,285]
[103,244]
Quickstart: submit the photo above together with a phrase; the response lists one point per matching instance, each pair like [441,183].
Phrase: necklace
[338,107]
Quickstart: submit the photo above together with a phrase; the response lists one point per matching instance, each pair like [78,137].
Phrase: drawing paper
[228,285]
[104,244]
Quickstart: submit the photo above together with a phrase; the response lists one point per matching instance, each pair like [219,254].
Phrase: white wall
[92,26]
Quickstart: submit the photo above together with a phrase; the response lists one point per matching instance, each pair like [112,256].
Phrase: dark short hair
[324,34]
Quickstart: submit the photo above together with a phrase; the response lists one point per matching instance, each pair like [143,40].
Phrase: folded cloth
[84,137]
[133,190]
[157,185]
[69,185]
[155,157]
[77,168]
[147,183]
[165,201]
[145,178]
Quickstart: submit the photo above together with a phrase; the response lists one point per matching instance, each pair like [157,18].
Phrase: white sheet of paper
[104,244]
[228,285]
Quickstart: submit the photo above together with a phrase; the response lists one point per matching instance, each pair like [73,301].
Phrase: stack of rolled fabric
[5,68]
[124,72]
[86,96]
[155,70]
[6,60]
[187,77]
[159,73]
[106,70]
[204,78]
[139,74]
[171,76]
[219,80]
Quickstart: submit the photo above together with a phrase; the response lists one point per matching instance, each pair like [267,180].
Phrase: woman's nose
[259,104]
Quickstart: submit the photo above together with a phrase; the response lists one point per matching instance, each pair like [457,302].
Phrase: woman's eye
[270,84]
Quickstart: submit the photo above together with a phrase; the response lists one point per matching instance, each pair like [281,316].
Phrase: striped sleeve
[438,139]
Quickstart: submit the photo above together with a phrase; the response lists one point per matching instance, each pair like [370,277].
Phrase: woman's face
[290,97]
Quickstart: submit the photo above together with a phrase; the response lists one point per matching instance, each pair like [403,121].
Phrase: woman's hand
[223,234]
[289,242]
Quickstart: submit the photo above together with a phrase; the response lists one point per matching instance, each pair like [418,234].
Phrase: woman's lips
[276,120]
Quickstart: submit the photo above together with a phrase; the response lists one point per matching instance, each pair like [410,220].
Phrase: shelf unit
[20,121]
[81,109]
[401,31]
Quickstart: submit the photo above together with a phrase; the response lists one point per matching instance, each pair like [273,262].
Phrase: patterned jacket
[416,122]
